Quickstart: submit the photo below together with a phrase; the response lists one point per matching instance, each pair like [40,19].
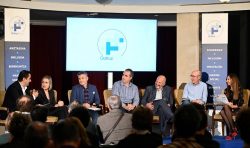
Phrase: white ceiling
[145,2]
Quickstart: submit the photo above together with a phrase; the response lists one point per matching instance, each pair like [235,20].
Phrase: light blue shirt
[198,91]
[128,94]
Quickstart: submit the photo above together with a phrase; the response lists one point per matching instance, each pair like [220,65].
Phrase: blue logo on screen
[214,28]
[111,43]
[17,25]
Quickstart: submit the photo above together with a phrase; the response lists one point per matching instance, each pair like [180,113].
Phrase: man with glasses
[127,91]
[196,90]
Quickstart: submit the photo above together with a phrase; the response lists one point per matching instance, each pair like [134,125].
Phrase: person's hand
[60,103]
[230,104]
[197,101]
[130,107]
[35,93]
[150,105]
[86,105]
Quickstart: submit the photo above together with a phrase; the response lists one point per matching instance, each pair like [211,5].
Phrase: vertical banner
[214,49]
[17,43]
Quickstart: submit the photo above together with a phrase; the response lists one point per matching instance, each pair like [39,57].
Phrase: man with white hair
[196,90]
[116,117]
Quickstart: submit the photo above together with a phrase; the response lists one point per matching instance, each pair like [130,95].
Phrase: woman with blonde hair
[46,97]
[234,95]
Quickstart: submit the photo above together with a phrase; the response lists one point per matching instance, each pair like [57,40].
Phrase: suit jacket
[150,93]
[42,99]
[13,92]
[78,94]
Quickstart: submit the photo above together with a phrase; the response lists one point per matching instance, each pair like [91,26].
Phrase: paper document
[94,108]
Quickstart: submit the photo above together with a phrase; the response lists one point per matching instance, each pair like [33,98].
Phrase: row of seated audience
[157,98]
[190,121]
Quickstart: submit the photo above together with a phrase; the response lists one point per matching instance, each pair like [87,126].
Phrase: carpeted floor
[237,143]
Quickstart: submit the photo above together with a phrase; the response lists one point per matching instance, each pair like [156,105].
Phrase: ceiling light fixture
[224,1]
[104,2]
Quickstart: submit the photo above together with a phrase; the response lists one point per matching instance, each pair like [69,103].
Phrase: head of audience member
[186,121]
[24,78]
[195,76]
[24,103]
[82,114]
[203,123]
[70,133]
[160,82]
[127,76]
[36,135]
[18,122]
[142,118]
[204,77]
[114,102]
[39,113]
[46,83]
[243,122]
[83,78]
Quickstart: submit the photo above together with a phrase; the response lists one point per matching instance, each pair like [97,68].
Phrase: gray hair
[114,102]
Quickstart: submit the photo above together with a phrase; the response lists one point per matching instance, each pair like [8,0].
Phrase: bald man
[195,91]
[159,99]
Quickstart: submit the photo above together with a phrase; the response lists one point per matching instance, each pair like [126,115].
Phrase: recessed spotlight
[224,1]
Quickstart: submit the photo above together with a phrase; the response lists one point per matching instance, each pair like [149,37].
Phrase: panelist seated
[159,99]
[196,90]
[127,91]
[234,95]
[16,90]
[86,95]
[46,97]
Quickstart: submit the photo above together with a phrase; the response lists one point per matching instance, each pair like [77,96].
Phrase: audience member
[187,121]
[46,97]
[39,113]
[203,136]
[24,103]
[17,89]
[234,95]
[93,130]
[196,90]
[243,122]
[159,99]
[115,125]
[127,91]
[142,131]
[18,121]
[70,133]
[36,135]
[86,94]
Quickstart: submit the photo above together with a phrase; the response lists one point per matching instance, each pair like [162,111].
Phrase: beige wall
[1,64]
[188,46]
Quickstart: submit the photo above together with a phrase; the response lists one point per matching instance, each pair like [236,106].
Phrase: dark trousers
[61,112]
[165,113]
[94,115]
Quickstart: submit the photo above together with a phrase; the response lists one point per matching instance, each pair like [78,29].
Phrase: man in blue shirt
[196,90]
[86,95]
[127,91]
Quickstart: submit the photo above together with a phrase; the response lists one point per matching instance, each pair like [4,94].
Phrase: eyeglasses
[194,76]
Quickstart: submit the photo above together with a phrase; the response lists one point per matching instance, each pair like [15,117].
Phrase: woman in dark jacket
[46,97]
[234,95]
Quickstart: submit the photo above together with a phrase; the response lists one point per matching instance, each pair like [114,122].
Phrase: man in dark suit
[159,99]
[86,94]
[17,89]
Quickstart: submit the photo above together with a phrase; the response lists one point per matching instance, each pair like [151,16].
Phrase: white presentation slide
[100,44]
